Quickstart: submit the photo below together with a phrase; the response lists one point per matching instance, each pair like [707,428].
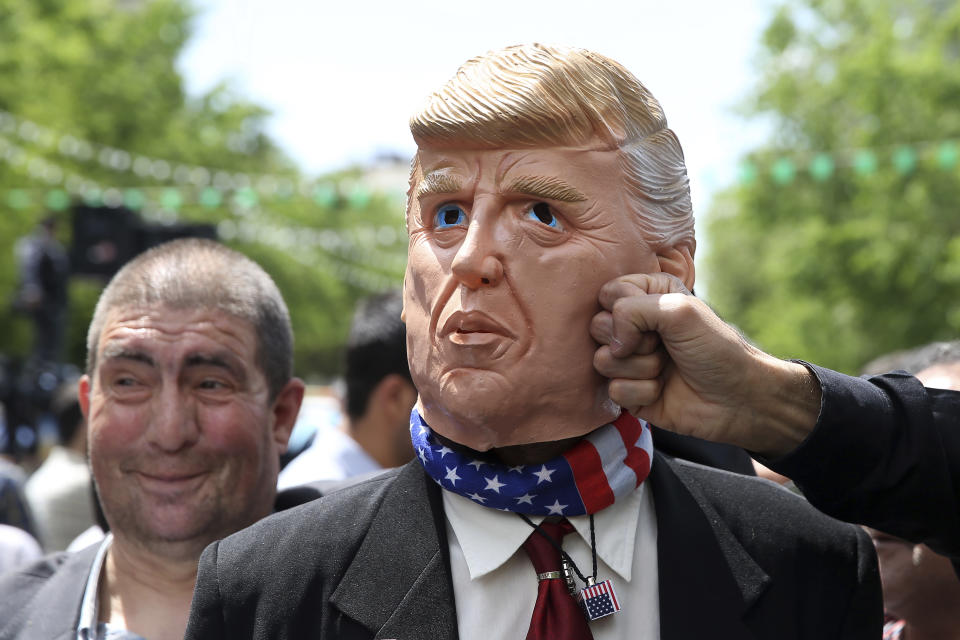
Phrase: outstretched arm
[674,363]
[883,451]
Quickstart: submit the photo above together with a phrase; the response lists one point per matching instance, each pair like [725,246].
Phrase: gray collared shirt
[88,628]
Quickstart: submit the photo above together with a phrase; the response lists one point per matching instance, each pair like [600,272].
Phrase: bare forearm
[784,403]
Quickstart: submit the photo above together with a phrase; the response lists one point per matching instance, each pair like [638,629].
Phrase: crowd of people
[547,434]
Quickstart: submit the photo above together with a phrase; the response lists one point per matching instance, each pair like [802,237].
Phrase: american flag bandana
[607,464]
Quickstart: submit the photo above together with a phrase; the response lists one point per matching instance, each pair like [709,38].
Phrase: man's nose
[173,424]
[479,260]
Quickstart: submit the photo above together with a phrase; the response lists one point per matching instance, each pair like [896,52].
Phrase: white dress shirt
[88,628]
[495,585]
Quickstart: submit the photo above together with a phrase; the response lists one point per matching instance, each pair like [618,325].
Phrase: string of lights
[359,275]
[822,166]
[144,166]
[360,256]
[211,180]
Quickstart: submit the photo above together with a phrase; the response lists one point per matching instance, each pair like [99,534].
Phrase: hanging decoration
[32,138]
[905,159]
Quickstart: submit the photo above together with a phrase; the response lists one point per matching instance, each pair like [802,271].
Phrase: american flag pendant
[598,600]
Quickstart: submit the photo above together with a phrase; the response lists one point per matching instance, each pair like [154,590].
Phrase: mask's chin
[519,454]
[517,436]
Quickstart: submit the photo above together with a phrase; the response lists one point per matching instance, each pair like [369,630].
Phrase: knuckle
[601,359]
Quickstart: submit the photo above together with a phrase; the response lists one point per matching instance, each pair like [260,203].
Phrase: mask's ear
[678,261]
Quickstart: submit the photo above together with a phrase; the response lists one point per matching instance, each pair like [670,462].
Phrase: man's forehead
[155,327]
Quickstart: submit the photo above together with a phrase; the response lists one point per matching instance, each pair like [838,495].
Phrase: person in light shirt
[379,395]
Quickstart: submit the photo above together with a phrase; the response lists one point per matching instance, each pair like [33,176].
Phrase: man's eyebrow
[549,187]
[438,182]
[222,361]
[117,352]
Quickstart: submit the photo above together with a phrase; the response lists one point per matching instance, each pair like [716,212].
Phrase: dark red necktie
[556,616]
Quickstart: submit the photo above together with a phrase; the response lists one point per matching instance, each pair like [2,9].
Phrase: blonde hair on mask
[536,95]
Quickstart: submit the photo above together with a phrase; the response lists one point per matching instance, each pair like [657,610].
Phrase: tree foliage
[104,72]
[843,243]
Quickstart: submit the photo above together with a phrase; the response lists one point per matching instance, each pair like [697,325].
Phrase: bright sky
[343,77]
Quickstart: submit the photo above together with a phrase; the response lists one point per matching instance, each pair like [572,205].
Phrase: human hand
[674,363]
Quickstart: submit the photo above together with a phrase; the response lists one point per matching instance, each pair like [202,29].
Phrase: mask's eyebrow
[438,182]
[548,187]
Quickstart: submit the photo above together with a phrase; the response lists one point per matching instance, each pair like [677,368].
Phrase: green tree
[842,239]
[92,109]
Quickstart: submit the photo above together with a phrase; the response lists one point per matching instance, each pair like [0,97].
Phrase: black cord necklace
[566,557]
[596,599]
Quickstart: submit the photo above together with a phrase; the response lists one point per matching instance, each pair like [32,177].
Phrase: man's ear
[286,408]
[83,395]
[678,262]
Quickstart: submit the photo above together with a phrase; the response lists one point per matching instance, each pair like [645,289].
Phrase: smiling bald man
[189,400]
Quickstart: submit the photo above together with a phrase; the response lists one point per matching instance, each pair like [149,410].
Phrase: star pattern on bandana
[544,474]
[555,487]
[493,484]
[556,509]
[452,476]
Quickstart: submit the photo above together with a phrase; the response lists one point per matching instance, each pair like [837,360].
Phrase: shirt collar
[488,537]
[90,605]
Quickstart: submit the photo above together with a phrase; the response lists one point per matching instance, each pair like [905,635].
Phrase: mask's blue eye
[541,212]
[449,215]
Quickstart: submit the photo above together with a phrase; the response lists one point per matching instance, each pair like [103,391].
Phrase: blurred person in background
[95,532]
[44,273]
[14,509]
[921,593]
[379,396]
[17,548]
[189,400]
[59,490]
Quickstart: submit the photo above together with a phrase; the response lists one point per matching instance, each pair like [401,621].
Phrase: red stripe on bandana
[591,481]
[637,459]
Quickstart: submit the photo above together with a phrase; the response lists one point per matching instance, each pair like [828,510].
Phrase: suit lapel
[398,585]
[708,581]
[54,610]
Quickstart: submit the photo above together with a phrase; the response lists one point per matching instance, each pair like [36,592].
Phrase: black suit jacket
[739,558]
[886,453]
[42,601]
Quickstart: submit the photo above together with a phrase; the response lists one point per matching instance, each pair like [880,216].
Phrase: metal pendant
[598,599]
